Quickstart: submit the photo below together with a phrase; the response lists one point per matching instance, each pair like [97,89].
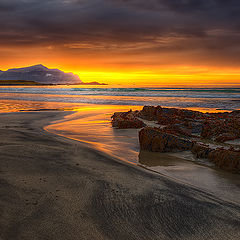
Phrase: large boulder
[186,130]
[224,137]
[166,116]
[150,113]
[176,115]
[201,150]
[156,140]
[221,130]
[124,120]
[227,159]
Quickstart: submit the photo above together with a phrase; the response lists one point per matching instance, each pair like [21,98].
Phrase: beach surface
[57,188]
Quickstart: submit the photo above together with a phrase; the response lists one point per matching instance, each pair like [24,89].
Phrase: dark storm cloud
[170,25]
[183,5]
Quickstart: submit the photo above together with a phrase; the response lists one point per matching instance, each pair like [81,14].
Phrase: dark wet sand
[55,188]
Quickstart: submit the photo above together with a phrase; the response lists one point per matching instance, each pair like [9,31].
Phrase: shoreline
[55,188]
[180,167]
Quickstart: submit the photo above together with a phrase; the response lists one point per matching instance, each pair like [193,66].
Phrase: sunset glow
[125,42]
[167,75]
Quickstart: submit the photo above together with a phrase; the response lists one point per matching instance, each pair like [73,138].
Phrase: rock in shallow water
[124,120]
[226,159]
[156,140]
[186,130]
[201,150]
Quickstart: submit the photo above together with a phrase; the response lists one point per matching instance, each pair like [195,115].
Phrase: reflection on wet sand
[220,183]
[18,106]
[91,124]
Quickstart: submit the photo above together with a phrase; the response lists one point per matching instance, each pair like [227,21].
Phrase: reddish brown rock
[235,113]
[224,137]
[166,116]
[226,159]
[221,130]
[200,150]
[126,120]
[156,140]
[186,130]
[150,113]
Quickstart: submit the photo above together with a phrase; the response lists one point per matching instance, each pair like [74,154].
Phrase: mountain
[39,74]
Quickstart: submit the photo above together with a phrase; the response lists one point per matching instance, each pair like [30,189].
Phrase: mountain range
[40,75]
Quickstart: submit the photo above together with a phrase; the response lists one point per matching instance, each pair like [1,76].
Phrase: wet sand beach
[91,124]
[56,188]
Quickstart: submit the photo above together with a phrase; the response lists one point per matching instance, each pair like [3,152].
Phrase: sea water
[195,98]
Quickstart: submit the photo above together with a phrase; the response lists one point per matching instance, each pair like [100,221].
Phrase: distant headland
[40,75]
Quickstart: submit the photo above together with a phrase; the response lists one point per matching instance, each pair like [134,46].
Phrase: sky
[153,42]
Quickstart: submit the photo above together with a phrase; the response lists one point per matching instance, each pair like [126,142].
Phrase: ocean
[219,99]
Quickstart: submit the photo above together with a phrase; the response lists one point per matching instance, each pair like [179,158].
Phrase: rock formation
[227,159]
[204,134]
[156,140]
[126,120]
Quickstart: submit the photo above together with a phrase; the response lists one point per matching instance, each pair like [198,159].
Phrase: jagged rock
[166,116]
[150,113]
[226,159]
[178,129]
[124,120]
[200,150]
[221,130]
[235,113]
[224,137]
[156,140]
[186,130]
